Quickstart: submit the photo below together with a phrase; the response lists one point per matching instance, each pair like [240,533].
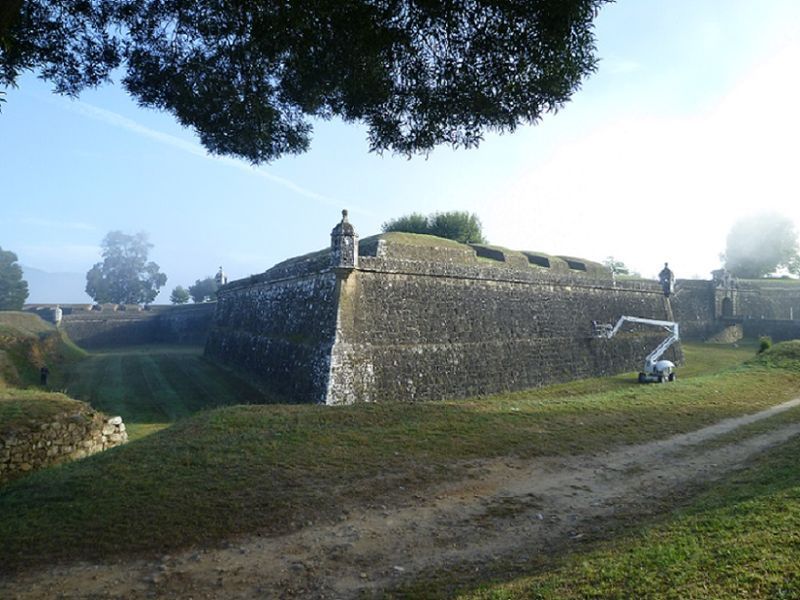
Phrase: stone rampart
[428,319]
[693,307]
[91,329]
[415,335]
[280,330]
[770,299]
[411,317]
[69,436]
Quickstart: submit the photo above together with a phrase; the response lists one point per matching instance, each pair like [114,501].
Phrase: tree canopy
[125,276]
[248,76]
[179,295]
[204,290]
[761,245]
[13,288]
[460,226]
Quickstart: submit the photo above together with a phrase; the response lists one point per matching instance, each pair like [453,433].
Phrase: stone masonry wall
[693,307]
[70,436]
[92,329]
[420,322]
[427,331]
[779,331]
[278,331]
[769,300]
[417,317]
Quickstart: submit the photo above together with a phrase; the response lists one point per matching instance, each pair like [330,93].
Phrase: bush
[460,226]
[764,343]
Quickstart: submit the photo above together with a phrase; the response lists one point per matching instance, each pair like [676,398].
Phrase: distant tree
[125,276]
[180,295]
[413,223]
[249,77]
[204,290]
[460,226]
[761,245]
[13,288]
[618,267]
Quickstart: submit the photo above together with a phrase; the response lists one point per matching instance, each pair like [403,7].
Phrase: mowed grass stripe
[164,399]
[155,385]
[204,385]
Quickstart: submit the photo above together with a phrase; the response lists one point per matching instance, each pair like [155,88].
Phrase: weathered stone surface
[279,332]
[416,317]
[398,328]
[159,324]
[68,437]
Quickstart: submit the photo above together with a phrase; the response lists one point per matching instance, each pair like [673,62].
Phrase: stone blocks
[68,437]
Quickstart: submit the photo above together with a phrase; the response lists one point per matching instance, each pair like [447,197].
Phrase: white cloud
[652,189]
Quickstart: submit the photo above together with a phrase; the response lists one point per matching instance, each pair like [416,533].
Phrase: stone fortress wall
[110,325]
[416,318]
[408,317]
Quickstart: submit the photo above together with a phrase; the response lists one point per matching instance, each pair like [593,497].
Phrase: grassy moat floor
[272,469]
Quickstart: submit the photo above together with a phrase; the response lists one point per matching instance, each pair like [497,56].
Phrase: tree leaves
[13,288]
[125,276]
[247,76]
[761,245]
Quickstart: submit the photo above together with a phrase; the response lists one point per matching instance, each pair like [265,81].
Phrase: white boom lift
[655,370]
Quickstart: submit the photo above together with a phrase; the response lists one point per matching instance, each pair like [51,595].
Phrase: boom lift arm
[654,369]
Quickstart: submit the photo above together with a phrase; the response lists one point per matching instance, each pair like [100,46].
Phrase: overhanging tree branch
[249,76]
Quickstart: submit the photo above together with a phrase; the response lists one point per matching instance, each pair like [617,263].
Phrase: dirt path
[510,509]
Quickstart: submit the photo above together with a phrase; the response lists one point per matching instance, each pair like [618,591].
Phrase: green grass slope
[249,469]
[24,408]
[156,384]
[27,343]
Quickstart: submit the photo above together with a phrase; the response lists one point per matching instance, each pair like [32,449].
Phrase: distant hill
[53,288]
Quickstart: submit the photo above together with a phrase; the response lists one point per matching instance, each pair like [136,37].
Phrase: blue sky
[690,123]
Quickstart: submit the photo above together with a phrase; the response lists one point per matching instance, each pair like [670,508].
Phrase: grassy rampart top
[22,324]
[397,247]
[27,409]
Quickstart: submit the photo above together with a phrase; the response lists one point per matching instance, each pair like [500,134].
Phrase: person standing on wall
[667,280]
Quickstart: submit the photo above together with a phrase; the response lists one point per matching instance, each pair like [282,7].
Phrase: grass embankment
[270,469]
[152,386]
[23,408]
[28,343]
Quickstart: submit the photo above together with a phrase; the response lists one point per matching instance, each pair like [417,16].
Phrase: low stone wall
[69,436]
[778,330]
